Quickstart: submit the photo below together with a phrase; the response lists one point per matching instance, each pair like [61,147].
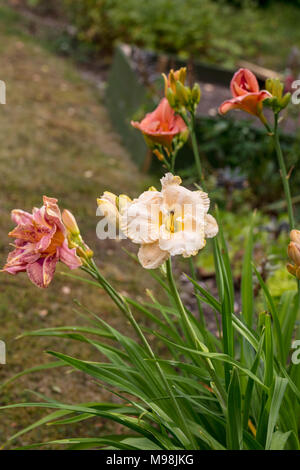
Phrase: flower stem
[196,150]
[173,159]
[191,124]
[285,182]
[124,307]
[284,176]
[191,333]
[194,277]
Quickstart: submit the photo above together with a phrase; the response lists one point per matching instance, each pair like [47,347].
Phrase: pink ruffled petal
[45,241]
[21,217]
[20,257]
[42,271]
[68,256]
[52,212]
[15,269]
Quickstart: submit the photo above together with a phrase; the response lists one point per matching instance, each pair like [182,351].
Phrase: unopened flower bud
[184,135]
[278,101]
[70,222]
[183,94]
[74,237]
[275,87]
[291,269]
[171,97]
[173,77]
[196,94]
[294,253]
[285,100]
[158,154]
[295,236]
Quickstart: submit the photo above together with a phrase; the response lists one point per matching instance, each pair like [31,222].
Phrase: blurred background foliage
[237,156]
[220,31]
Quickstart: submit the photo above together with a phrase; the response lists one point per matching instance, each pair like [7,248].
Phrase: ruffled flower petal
[140,220]
[161,126]
[21,217]
[243,81]
[42,271]
[68,256]
[185,242]
[151,256]
[211,227]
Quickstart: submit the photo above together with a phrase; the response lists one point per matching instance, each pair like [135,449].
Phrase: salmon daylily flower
[40,242]
[246,94]
[173,221]
[161,126]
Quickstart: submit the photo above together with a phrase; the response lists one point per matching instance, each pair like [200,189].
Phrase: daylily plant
[237,389]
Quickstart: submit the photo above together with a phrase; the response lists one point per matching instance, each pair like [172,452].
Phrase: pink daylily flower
[40,242]
[246,94]
[162,125]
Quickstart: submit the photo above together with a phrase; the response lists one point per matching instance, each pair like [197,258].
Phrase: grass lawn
[55,140]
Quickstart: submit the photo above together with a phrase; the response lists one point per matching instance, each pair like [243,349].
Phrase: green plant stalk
[191,333]
[179,304]
[194,277]
[285,180]
[284,176]
[128,314]
[196,150]
[173,159]
[191,124]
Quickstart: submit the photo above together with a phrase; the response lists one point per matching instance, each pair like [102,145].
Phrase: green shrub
[203,28]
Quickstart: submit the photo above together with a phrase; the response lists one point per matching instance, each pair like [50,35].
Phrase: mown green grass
[55,140]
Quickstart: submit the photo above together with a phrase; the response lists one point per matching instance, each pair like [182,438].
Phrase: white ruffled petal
[151,256]
[186,242]
[211,227]
[140,219]
[170,179]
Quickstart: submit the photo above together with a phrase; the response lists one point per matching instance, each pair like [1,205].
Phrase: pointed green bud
[183,93]
[285,100]
[171,98]
[196,93]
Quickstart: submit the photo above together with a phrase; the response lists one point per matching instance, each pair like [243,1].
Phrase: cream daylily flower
[173,221]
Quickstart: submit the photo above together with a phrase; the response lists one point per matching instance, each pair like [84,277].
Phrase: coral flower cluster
[40,242]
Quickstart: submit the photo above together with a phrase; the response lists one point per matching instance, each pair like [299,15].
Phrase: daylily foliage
[237,389]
